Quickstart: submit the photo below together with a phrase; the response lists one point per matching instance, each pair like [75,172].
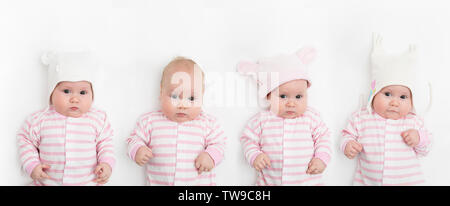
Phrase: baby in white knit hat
[387,134]
[69,142]
[287,143]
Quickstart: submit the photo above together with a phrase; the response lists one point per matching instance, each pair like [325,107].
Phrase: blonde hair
[181,60]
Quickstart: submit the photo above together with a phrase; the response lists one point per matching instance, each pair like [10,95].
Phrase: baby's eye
[403,97]
[283,96]
[387,94]
[83,92]
[66,91]
[191,98]
[174,96]
[298,96]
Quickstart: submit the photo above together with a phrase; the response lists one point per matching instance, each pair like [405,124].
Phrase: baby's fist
[352,149]
[38,172]
[261,161]
[143,155]
[411,137]
[204,162]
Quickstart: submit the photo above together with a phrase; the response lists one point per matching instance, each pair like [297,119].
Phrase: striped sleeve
[321,138]
[424,145]
[105,146]
[28,140]
[216,141]
[350,132]
[250,138]
[139,137]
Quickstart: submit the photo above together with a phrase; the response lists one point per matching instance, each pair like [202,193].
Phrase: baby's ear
[48,57]
[246,67]
[306,54]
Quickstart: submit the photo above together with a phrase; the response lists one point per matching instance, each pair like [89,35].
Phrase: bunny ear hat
[69,66]
[271,72]
[389,69]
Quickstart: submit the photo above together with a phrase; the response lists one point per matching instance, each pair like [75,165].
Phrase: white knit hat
[69,66]
[389,69]
[271,72]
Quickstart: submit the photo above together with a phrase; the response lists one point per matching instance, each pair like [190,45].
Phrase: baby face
[72,99]
[393,102]
[181,94]
[290,99]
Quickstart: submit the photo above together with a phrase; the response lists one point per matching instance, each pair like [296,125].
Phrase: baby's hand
[261,161]
[38,172]
[411,137]
[315,166]
[204,162]
[103,172]
[352,149]
[143,155]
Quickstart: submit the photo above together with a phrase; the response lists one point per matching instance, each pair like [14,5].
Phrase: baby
[69,142]
[180,144]
[387,134]
[288,144]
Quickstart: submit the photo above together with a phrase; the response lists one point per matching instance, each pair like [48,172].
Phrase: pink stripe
[52,145]
[296,123]
[165,127]
[294,173]
[393,132]
[94,119]
[371,162]
[186,179]
[302,181]
[273,127]
[159,182]
[194,126]
[81,158]
[298,156]
[297,140]
[400,158]
[370,178]
[79,141]
[372,170]
[52,127]
[52,153]
[369,120]
[158,164]
[272,120]
[298,148]
[26,152]
[251,130]
[82,124]
[185,160]
[80,133]
[189,142]
[268,144]
[81,166]
[164,136]
[81,150]
[272,177]
[190,151]
[165,155]
[168,174]
[401,167]
[297,131]
[402,175]
[163,145]
[78,175]
[295,165]
[271,135]
[399,150]
[53,136]
[273,152]
[371,128]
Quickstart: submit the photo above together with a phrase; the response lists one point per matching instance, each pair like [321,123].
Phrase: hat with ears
[272,72]
[69,66]
[392,69]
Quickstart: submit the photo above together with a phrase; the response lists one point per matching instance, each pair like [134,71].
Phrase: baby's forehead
[74,84]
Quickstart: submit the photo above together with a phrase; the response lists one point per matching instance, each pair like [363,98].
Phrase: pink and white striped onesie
[175,146]
[71,146]
[290,145]
[385,158]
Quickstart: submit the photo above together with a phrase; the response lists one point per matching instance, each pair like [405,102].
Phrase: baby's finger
[267,162]
[44,176]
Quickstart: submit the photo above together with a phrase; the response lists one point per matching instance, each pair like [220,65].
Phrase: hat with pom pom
[272,72]
[69,66]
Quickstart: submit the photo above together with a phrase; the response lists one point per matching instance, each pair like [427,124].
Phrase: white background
[134,39]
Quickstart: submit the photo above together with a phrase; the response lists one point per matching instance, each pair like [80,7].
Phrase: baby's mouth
[74,108]
[181,115]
